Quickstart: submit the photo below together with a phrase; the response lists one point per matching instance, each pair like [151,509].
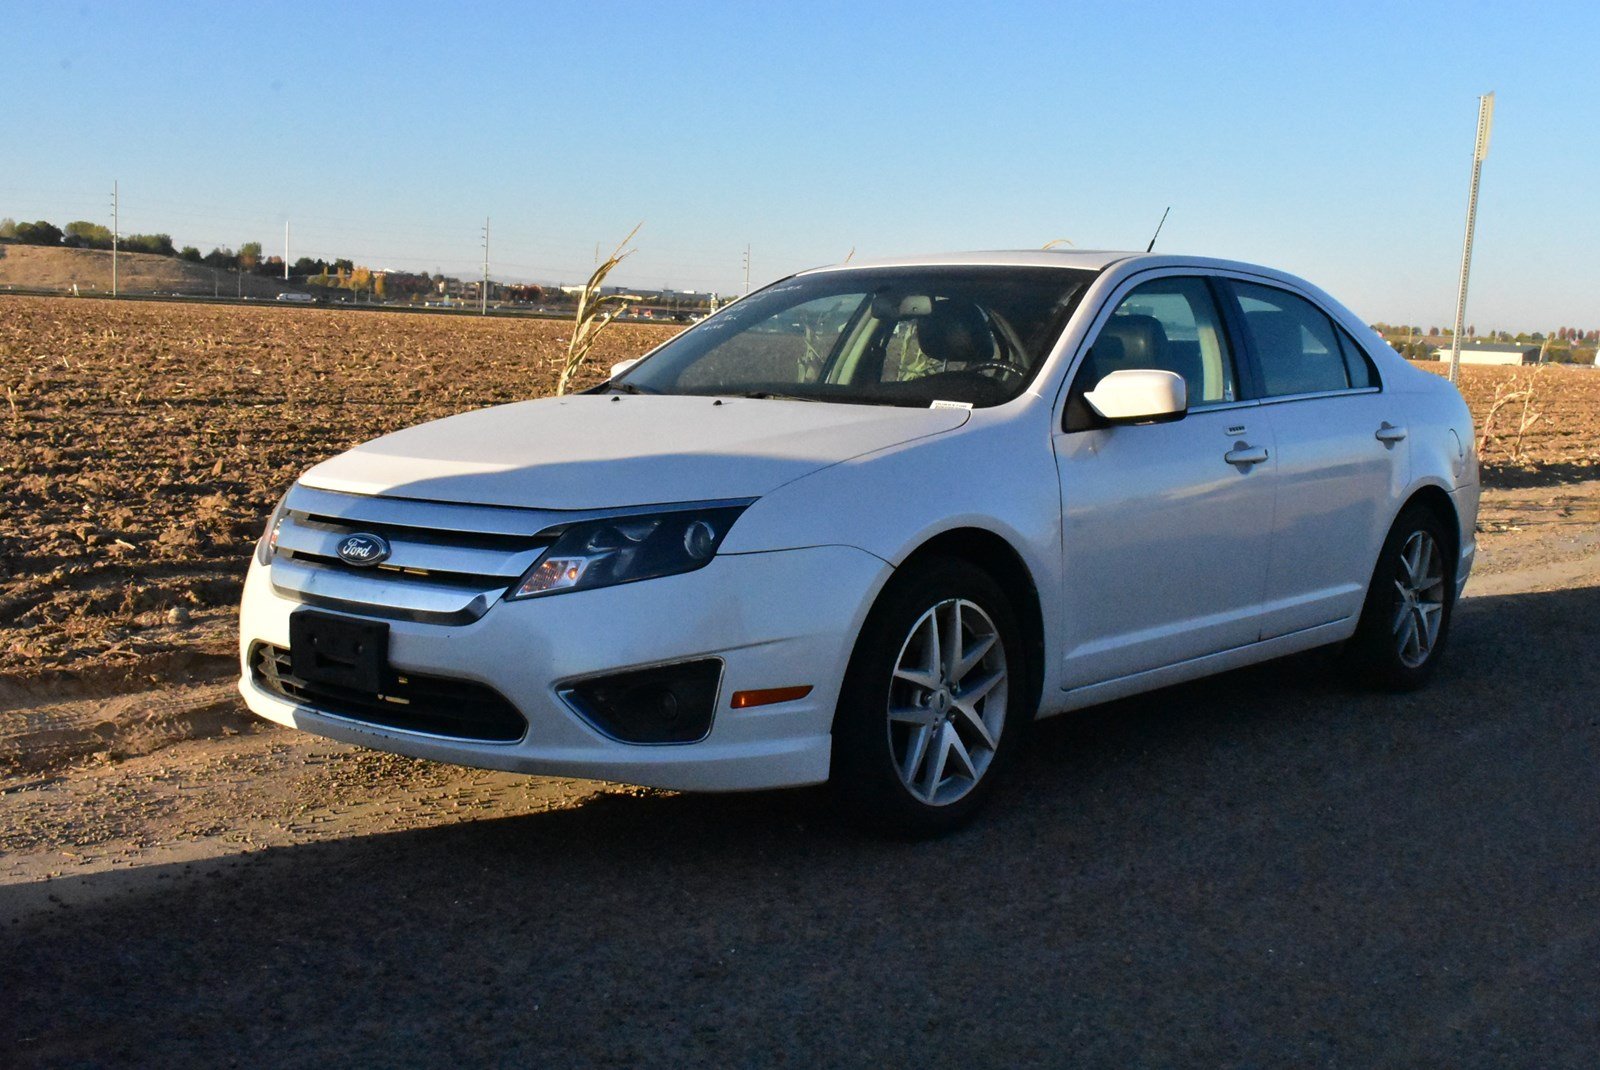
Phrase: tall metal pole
[483,298]
[747,268]
[1479,151]
[285,250]
[116,229]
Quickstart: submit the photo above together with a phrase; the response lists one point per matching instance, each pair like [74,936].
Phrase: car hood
[600,451]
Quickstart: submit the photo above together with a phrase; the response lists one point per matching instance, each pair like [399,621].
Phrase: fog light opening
[666,704]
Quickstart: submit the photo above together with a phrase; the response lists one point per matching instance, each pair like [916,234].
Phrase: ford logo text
[363,550]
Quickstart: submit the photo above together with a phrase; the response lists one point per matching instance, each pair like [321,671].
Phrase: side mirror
[1139,395]
[621,366]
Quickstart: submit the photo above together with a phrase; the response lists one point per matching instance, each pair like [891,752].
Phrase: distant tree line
[1564,345]
[337,274]
[81,234]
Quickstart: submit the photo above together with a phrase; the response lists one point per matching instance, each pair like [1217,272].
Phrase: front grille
[437,705]
[448,563]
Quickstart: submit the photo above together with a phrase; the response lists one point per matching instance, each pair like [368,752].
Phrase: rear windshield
[874,336]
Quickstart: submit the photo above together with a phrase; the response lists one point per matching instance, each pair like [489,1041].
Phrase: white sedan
[866,524]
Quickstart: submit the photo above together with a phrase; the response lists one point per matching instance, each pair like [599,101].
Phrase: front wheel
[932,705]
[1406,619]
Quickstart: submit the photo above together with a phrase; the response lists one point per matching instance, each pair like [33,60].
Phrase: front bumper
[777,619]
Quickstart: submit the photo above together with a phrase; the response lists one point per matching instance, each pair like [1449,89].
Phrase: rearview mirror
[1139,395]
[621,366]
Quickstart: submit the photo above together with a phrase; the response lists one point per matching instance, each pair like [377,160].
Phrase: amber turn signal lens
[745,699]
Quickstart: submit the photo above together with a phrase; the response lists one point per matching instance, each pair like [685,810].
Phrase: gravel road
[1262,869]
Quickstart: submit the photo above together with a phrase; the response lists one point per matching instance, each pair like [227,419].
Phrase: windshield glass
[875,336]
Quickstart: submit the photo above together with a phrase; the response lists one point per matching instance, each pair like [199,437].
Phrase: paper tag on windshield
[952,405]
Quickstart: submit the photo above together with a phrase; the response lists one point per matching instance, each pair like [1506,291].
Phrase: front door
[1167,527]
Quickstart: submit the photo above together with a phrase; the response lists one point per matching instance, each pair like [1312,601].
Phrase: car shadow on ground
[1267,867]
[1534,477]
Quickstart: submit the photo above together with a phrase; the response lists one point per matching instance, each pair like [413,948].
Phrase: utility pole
[116,225]
[747,268]
[483,298]
[1479,151]
[285,250]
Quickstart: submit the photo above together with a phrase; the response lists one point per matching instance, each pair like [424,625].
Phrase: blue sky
[1330,139]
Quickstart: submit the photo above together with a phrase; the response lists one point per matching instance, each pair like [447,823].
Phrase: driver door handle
[1245,455]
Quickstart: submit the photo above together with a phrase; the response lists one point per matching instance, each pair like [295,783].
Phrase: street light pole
[1479,151]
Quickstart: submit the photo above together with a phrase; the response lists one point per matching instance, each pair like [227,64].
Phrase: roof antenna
[1157,234]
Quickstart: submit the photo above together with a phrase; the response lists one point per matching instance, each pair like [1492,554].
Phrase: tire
[1405,622]
[920,737]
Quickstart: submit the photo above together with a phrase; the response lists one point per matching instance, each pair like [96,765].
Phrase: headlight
[600,553]
[268,543]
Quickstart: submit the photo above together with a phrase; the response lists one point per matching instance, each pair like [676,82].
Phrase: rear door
[1342,456]
[1166,526]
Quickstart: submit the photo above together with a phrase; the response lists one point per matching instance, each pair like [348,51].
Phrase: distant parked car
[867,523]
[298,298]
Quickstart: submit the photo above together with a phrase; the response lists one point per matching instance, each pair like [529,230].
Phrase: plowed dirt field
[143,444]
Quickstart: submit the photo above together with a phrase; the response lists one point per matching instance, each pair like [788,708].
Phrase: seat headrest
[955,332]
[1131,341]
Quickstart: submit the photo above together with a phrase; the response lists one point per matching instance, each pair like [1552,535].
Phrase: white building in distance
[1492,353]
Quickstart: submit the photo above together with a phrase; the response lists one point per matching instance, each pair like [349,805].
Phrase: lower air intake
[436,705]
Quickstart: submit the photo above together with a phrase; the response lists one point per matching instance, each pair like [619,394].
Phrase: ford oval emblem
[363,550]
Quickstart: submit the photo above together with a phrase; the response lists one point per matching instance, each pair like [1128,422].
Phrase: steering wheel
[1005,368]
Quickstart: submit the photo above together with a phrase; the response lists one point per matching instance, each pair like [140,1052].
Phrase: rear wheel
[1406,619]
[931,708]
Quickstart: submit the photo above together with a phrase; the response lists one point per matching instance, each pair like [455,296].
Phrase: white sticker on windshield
[951,405]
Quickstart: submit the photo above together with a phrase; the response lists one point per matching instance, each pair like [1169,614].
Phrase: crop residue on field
[145,443]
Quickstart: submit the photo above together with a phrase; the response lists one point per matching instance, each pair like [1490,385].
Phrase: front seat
[1128,341]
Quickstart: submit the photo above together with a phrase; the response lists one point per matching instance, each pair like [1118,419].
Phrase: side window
[1172,325]
[1296,344]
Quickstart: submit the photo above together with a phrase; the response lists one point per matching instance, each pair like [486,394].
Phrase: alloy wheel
[1420,607]
[947,701]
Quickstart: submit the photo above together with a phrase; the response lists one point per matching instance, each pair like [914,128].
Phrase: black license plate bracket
[338,651]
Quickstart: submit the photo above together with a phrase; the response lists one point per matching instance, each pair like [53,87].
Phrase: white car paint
[1153,558]
[599,452]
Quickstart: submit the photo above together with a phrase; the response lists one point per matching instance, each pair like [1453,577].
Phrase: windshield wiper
[628,388]
[769,395]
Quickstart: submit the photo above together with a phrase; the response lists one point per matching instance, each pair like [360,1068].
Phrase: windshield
[875,336]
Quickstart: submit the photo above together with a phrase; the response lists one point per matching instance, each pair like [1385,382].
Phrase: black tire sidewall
[863,778]
[1372,652]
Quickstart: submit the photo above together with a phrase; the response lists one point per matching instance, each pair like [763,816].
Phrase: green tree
[191,254]
[159,244]
[82,234]
[8,228]
[38,233]
[249,255]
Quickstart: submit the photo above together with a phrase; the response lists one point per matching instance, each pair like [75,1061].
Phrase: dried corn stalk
[595,313]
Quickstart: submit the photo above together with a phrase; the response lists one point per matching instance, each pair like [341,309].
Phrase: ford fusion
[865,525]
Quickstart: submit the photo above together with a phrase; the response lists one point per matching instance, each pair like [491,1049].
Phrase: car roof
[1082,259]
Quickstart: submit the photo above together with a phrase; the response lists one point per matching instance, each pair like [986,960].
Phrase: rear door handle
[1244,454]
[1390,434]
